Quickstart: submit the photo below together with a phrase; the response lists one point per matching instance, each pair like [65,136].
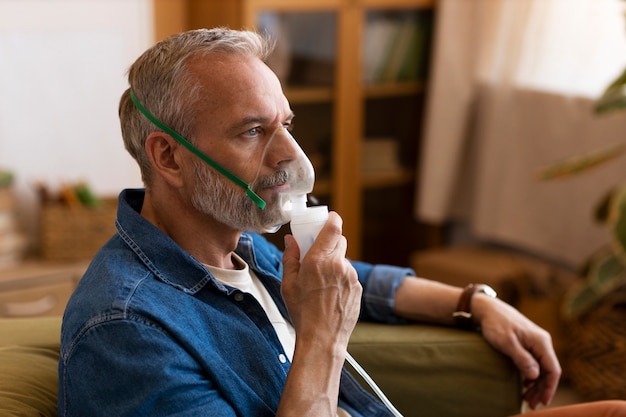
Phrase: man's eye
[254,132]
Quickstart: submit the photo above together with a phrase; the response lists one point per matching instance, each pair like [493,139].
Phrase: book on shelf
[380,155]
[7,199]
[395,49]
[376,43]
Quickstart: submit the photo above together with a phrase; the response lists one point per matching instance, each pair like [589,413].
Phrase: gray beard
[218,197]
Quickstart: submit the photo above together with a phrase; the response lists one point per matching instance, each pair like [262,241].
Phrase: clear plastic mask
[296,170]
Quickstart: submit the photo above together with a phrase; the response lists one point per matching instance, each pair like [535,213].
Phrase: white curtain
[512,89]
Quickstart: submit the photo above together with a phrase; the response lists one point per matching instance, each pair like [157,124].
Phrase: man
[182,313]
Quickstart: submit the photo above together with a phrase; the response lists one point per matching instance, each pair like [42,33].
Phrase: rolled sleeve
[380,283]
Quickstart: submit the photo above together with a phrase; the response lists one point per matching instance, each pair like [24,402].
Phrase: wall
[62,70]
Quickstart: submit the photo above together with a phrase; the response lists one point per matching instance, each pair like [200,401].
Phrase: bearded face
[219,198]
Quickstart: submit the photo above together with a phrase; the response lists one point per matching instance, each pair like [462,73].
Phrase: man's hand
[528,345]
[505,328]
[322,293]
[323,297]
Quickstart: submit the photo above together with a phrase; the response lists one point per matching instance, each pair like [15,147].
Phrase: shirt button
[282,358]
[238,297]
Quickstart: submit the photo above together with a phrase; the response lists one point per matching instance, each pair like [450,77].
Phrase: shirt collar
[162,255]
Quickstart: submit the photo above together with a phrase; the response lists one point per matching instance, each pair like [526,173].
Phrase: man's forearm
[424,300]
[312,386]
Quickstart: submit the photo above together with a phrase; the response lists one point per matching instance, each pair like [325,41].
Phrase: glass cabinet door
[304,60]
[395,51]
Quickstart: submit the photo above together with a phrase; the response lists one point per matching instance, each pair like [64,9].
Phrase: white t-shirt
[246,280]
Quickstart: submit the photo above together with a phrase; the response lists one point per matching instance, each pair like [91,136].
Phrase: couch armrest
[31,331]
[437,371]
[29,355]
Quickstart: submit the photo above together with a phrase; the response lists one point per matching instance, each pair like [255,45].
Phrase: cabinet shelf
[295,6]
[398,4]
[309,95]
[373,180]
[396,89]
[306,95]
[308,5]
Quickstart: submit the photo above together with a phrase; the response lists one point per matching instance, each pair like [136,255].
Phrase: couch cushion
[28,382]
[437,371]
[31,331]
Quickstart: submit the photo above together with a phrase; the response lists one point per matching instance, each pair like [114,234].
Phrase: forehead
[237,87]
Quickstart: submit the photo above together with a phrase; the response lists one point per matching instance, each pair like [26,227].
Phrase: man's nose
[283,147]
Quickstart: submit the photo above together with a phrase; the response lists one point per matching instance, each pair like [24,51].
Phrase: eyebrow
[250,120]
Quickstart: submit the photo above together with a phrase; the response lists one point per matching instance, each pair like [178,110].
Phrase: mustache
[279,177]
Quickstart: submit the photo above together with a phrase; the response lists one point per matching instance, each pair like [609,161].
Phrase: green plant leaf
[6,178]
[614,96]
[86,196]
[606,273]
[601,212]
[617,218]
[581,163]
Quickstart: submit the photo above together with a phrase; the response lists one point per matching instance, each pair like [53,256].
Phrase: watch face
[489,291]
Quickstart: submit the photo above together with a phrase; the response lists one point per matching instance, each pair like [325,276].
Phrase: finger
[533,393]
[523,359]
[550,370]
[540,370]
[292,251]
[543,390]
[530,394]
[291,258]
[329,237]
[539,391]
[532,399]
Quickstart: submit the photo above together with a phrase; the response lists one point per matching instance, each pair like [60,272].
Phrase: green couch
[424,370]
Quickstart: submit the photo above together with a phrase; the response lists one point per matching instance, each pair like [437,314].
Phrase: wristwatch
[463,314]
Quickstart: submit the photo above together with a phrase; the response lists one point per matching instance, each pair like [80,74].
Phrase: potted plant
[606,270]
[594,309]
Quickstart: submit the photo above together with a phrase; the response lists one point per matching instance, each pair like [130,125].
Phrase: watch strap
[463,314]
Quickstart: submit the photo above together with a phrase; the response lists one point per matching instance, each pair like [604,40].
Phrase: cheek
[238,162]
[250,164]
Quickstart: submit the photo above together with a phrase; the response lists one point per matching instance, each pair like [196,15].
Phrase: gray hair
[161,81]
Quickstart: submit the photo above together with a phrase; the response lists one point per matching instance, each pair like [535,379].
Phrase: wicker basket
[7,199]
[76,233]
[596,359]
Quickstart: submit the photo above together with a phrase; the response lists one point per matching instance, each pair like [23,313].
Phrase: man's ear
[165,157]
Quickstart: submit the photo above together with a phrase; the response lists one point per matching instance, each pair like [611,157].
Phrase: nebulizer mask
[294,178]
[295,168]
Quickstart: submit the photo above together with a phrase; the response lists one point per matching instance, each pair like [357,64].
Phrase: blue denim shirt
[150,332]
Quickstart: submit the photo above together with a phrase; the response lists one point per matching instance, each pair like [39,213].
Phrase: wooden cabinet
[38,288]
[327,43]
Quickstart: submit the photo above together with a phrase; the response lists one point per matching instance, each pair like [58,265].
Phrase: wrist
[464,316]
